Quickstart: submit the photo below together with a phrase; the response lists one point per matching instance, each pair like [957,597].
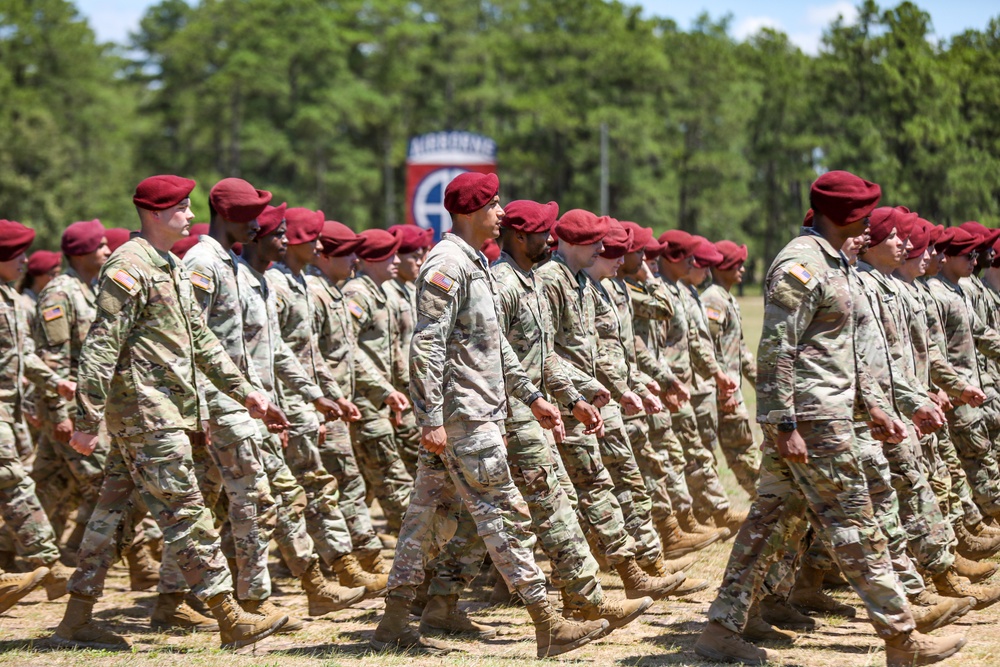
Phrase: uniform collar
[154,255]
[835,253]
[580,278]
[472,253]
[526,278]
[226,255]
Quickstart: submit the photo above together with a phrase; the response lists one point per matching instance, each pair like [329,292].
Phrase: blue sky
[802,20]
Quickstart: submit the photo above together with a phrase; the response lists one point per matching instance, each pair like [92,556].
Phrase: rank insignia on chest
[800,273]
[355,309]
[201,281]
[441,281]
[713,314]
[124,278]
[636,288]
[53,313]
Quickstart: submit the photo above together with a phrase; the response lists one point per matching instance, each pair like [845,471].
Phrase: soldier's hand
[83,443]
[601,398]
[973,396]
[792,447]
[944,400]
[678,393]
[729,406]
[433,439]
[66,389]
[546,414]
[631,404]
[886,428]
[642,273]
[651,404]
[322,435]
[725,385]
[397,401]
[558,433]
[349,410]
[671,403]
[256,404]
[588,415]
[327,407]
[654,387]
[928,418]
[63,431]
[275,419]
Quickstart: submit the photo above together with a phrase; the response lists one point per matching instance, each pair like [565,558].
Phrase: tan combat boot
[658,568]
[779,613]
[173,613]
[556,635]
[351,574]
[618,613]
[395,632]
[373,562]
[15,585]
[143,572]
[729,518]
[326,596]
[977,542]
[759,630]
[677,543]
[443,617]
[720,644]
[238,628]
[807,595]
[974,571]
[55,581]
[689,524]
[266,608]
[949,584]
[931,611]
[78,629]
[914,648]
[503,597]
[638,584]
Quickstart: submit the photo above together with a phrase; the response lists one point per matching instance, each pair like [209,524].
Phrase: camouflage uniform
[457,326]
[137,371]
[373,435]
[725,323]
[808,374]
[324,519]
[979,302]
[402,298]
[19,506]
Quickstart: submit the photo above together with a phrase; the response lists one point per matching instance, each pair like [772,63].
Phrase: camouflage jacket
[614,369]
[677,337]
[964,333]
[65,310]
[980,300]
[17,357]
[571,309]
[636,353]
[376,330]
[461,365]
[137,367]
[652,309]
[991,298]
[931,367]
[401,297]
[525,319]
[725,324]
[700,343]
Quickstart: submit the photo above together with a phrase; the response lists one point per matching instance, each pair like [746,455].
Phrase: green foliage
[316,101]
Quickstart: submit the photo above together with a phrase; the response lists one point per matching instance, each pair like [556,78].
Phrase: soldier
[725,323]
[137,371]
[22,513]
[807,377]
[459,410]
[117,236]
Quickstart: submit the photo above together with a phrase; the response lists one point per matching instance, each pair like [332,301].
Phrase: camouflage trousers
[19,506]
[701,470]
[653,465]
[476,472]
[337,456]
[736,443]
[975,452]
[408,441]
[834,489]
[230,460]
[382,465]
[949,481]
[598,508]
[666,444]
[630,489]
[160,465]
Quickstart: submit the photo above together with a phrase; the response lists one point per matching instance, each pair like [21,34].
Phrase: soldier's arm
[213,360]
[652,304]
[650,365]
[987,339]
[943,373]
[294,375]
[52,330]
[368,379]
[437,310]
[748,364]
[518,383]
[700,343]
[205,284]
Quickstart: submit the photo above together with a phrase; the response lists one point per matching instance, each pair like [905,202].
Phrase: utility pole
[604,169]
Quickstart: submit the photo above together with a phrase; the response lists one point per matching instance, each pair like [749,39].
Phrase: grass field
[665,636]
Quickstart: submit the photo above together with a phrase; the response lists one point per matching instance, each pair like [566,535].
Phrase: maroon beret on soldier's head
[470,191]
[238,201]
[580,227]
[996,255]
[920,238]
[961,243]
[641,236]
[883,221]
[304,225]
[906,221]
[15,238]
[530,217]
[808,220]
[377,245]
[732,255]
[937,234]
[338,239]
[82,238]
[191,240]
[491,250]
[116,236]
[987,236]
[158,193]
[677,245]
[42,261]
[706,255]
[270,219]
[843,197]
[411,238]
[653,249]
[618,240]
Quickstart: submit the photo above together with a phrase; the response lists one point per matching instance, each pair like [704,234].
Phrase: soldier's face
[382,271]
[606,267]
[272,247]
[178,219]
[631,262]
[341,268]
[536,246]
[12,269]
[409,265]
[242,233]
[102,253]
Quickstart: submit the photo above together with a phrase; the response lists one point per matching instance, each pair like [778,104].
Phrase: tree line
[316,101]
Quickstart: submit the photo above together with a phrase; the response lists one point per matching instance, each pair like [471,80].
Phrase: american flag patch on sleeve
[53,313]
[355,309]
[442,281]
[201,281]
[800,272]
[124,278]
[713,314]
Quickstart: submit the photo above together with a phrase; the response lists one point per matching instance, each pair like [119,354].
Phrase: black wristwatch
[575,401]
[534,397]
[787,427]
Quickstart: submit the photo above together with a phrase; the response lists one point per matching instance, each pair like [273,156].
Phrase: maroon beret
[15,238]
[884,219]
[941,236]
[936,234]
[82,238]
[706,254]
[238,201]
[987,236]
[304,225]
[191,240]
[618,240]
[338,239]
[470,191]
[270,219]
[158,193]
[491,250]
[411,238]
[116,236]
[530,217]
[732,255]
[580,227]
[653,249]
[961,243]
[808,220]
[920,238]
[43,261]
[677,245]
[377,245]
[843,197]
[641,236]
[996,255]
[906,221]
